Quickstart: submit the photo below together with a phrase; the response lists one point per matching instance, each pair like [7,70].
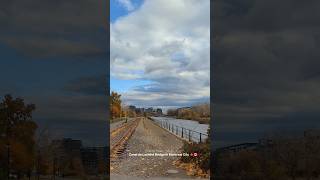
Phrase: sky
[266,69]
[54,55]
[160,52]
[266,62]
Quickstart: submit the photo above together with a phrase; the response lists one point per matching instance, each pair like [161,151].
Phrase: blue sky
[122,86]
[118,10]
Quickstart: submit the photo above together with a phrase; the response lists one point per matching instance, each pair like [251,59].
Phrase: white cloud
[168,43]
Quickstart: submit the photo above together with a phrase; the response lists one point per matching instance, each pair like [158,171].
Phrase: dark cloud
[48,28]
[168,101]
[67,84]
[266,59]
[60,16]
[95,85]
[91,133]
[90,108]
[265,16]
[51,47]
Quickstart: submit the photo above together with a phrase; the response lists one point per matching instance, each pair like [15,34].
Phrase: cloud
[94,85]
[89,108]
[166,43]
[76,116]
[127,4]
[67,87]
[45,28]
[54,47]
[41,16]
[266,54]
[90,133]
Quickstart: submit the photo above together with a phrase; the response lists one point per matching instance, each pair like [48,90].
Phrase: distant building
[132,108]
[65,151]
[159,111]
[149,110]
[95,160]
[139,110]
[90,160]
[67,147]
[183,108]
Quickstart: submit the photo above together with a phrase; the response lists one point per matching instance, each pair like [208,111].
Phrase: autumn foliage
[115,105]
[17,130]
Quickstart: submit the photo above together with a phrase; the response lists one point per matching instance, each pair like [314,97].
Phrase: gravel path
[149,138]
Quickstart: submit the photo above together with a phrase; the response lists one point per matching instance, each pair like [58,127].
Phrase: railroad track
[119,138]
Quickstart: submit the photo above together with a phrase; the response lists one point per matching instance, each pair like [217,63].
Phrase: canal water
[187,129]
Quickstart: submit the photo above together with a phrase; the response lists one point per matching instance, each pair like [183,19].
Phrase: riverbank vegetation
[283,157]
[200,113]
[198,165]
[195,165]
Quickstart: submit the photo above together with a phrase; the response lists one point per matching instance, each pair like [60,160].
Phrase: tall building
[95,160]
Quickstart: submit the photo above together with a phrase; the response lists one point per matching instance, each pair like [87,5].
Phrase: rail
[120,136]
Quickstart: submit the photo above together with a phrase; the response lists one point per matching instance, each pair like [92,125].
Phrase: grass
[117,120]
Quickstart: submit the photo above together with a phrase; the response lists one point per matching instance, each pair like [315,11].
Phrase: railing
[185,133]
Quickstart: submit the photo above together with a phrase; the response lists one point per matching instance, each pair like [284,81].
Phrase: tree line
[26,151]
[118,109]
[200,113]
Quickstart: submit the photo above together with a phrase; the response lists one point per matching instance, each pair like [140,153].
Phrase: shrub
[203,159]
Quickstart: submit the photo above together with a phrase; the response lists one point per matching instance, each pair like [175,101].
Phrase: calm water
[195,127]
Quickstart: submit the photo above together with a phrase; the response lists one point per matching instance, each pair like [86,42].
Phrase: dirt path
[149,138]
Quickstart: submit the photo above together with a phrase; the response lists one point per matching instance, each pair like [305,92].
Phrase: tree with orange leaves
[17,130]
[115,105]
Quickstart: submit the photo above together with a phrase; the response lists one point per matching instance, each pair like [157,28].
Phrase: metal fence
[185,133]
